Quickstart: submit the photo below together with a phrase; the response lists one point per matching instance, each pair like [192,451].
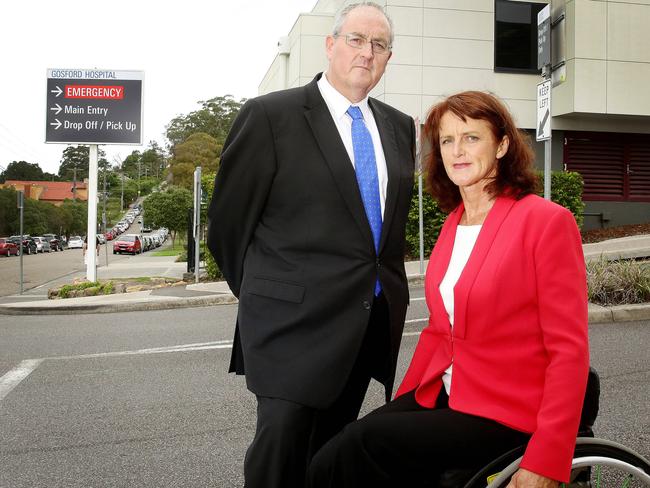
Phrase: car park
[129,243]
[75,242]
[56,243]
[42,244]
[28,244]
[8,247]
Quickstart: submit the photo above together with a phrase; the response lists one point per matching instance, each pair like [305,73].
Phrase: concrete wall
[607,59]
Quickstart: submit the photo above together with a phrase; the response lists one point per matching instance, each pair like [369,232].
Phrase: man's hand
[527,479]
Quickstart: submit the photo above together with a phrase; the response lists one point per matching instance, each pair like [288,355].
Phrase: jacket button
[366,304]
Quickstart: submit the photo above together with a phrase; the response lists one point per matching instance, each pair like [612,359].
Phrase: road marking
[200,346]
[418,299]
[13,378]
[415,321]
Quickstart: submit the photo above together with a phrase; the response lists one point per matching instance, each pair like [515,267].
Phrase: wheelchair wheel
[597,463]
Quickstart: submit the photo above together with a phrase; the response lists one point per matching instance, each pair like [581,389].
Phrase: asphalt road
[143,398]
[40,269]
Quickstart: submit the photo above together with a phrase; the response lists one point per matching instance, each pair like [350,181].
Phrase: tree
[214,118]
[169,209]
[9,213]
[22,170]
[199,149]
[79,157]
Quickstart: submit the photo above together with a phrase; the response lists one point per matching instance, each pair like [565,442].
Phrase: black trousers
[404,444]
[289,434]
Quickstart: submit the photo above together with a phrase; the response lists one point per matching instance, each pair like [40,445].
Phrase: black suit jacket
[288,230]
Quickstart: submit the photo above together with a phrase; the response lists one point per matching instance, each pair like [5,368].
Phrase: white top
[466,236]
[338,106]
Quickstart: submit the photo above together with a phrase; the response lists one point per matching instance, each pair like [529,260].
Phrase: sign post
[20,195]
[91,106]
[544,115]
[197,222]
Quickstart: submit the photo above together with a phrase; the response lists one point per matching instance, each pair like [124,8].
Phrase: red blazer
[519,344]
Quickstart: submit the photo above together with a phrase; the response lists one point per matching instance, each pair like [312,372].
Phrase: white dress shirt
[466,236]
[338,106]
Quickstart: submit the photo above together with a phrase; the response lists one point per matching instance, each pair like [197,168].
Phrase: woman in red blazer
[505,356]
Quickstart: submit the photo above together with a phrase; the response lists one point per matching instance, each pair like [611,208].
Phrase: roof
[53,190]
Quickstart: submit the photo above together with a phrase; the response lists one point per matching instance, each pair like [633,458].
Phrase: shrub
[618,282]
[214,273]
[433,218]
[566,190]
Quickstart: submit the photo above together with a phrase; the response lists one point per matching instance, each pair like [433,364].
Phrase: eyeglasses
[358,41]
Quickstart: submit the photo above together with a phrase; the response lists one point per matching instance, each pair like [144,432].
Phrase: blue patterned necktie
[366,169]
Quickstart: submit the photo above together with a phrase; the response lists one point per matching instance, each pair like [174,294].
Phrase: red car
[130,243]
[7,247]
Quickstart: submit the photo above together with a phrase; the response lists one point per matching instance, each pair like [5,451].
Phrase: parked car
[8,247]
[55,241]
[130,243]
[42,244]
[101,238]
[28,245]
[75,242]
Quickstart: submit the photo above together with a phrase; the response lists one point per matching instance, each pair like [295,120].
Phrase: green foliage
[214,118]
[213,271]
[566,190]
[22,170]
[40,217]
[169,209]
[433,218]
[207,187]
[199,149]
[75,217]
[79,157]
[9,213]
[150,163]
[618,282]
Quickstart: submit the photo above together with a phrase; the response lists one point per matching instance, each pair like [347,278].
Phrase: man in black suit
[307,224]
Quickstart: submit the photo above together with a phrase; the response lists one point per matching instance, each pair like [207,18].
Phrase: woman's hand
[527,479]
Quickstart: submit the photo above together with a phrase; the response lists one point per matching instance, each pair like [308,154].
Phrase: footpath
[34,302]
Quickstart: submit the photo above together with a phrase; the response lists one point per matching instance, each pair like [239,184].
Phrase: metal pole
[21,205]
[104,220]
[197,222]
[546,73]
[91,229]
[418,162]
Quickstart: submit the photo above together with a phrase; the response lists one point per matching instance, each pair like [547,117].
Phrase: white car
[75,242]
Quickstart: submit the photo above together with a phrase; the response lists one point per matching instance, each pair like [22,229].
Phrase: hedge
[566,190]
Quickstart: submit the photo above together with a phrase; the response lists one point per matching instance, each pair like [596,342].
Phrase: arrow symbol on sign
[57,124]
[57,109]
[540,131]
[58,91]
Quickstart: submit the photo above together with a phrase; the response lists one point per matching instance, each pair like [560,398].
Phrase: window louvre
[614,167]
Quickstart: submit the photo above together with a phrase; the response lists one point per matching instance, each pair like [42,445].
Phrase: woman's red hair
[515,175]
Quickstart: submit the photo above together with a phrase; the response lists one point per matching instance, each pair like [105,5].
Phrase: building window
[515,36]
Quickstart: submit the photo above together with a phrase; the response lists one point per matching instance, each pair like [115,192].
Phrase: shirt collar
[338,103]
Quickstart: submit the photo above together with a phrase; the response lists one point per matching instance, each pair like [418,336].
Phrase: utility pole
[21,206]
[544,115]
[74,184]
[104,219]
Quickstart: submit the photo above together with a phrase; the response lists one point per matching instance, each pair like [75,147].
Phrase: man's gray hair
[342,15]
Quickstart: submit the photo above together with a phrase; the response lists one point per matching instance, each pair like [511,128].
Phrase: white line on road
[418,299]
[201,346]
[11,379]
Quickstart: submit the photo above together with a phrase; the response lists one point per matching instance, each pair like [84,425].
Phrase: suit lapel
[486,237]
[389,144]
[329,141]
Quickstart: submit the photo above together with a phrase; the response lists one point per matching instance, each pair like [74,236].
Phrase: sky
[189,50]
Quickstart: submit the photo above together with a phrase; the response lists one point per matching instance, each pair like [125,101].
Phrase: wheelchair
[597,463]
